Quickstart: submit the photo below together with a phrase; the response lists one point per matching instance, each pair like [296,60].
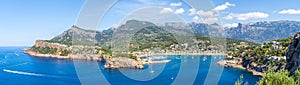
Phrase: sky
[24,21]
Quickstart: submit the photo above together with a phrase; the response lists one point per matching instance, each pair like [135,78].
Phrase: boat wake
[22,73]
[5,57]
[34,74]
[17,54]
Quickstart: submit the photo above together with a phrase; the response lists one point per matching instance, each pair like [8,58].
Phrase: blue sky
[24,21]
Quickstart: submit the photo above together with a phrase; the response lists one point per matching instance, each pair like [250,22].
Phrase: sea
[17,68]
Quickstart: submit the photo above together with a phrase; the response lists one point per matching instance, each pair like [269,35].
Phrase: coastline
[71,57]
[138,63]
[225,64]
[162,54]
[32,53]
[221,62]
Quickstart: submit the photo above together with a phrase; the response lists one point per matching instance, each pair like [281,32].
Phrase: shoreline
[221,62]
[32,53]
[71,57]
[35,54]
[162,54]
[224,64]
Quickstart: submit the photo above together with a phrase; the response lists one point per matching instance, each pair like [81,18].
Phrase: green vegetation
[155,38]
[231,44]
[65,53]
[132,56]
[263,55]
[240,81]
[297,77]
[152,38]
[124,54]
[280,77]
[45,50]
[104,51]
[48,50]
[67,42]
[70,42]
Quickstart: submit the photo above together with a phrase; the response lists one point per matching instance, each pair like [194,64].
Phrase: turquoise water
[17,68]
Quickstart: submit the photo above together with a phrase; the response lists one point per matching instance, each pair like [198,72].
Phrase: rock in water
[123,62]
[292,55]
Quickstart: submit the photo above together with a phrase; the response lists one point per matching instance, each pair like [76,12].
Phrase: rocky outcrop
[292,54]
[78,34]
[32,53]
[42,43]
[42,48]
[121,62]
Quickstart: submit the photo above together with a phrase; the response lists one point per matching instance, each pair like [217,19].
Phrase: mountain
[76,33]
[292,54]
[141,35]
[74,30]
[263,31]
[258,32]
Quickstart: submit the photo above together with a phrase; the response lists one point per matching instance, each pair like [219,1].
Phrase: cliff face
[292,55]
[44,48]
[119,62]
[41,43]
[77,33]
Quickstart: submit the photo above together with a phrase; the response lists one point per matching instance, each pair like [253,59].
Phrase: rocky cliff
[264,31]
[121,62]
[292,55]
[43,44]
[44,48]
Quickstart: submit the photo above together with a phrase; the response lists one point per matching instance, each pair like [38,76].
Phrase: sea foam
[22,73]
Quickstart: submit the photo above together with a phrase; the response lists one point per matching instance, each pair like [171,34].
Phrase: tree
[277,78]
[240,81]
[297,76]
[65,53]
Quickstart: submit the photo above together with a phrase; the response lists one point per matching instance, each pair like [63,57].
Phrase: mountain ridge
[258,32]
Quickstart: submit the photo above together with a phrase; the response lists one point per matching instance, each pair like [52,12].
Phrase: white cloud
[210,20]
[223,6]
[246,16]
[254,15]
[289,11]
[176,4]
[196,18]
[202,13]
[192,11]
[230,16]
[208,17]
[166,10]
[231,25]
[179,11]
[206,13]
